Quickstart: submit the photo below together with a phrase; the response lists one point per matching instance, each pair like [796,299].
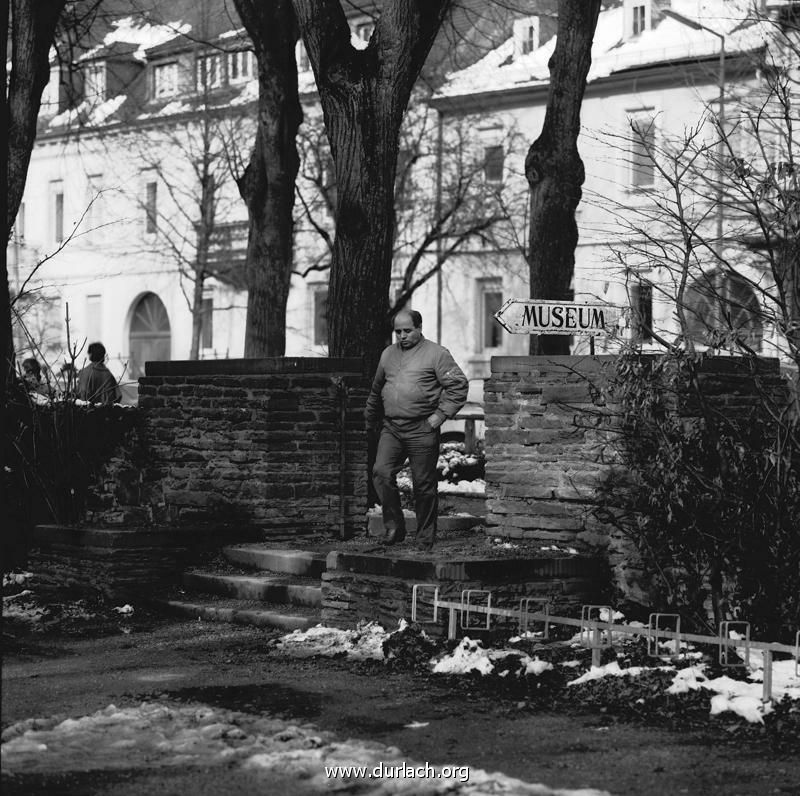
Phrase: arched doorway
[723,310]
[150,337]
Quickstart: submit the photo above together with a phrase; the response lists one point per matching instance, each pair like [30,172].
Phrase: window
[151,207]
[207,323]
[526,35]
[641,294]
[209,71]
[493,164]
[722,310]
[94,206]
[364,31]
[643,139]
[94,82]
[490,299]
[403,183]
[240,66]
[639,19]
[165,80]
[321,316]
[57,210]
[94,318]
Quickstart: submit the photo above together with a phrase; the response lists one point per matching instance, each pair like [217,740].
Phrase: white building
[111,198]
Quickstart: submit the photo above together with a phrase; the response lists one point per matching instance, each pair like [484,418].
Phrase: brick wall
[244,449]
[551,441]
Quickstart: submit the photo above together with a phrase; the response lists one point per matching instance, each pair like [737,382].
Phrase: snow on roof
[88,113]
[134,31]
[669,40]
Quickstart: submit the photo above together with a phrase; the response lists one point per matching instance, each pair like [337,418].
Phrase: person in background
[96,383]
[32,377]
[417,386]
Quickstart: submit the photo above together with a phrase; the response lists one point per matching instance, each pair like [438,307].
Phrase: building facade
[131,191]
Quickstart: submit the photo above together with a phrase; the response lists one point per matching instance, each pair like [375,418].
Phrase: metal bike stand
[724,637]
[524,610]
[466,598]
[417,592]
[592,636]
[654,626]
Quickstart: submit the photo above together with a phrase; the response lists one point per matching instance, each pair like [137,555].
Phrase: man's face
[407,334]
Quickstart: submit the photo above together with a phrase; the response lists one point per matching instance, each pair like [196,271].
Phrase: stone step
[454,522]
[242,612]
[267,588]
[286,561]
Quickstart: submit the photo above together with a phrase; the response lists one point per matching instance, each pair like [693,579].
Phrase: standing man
[96,383]
[419,386]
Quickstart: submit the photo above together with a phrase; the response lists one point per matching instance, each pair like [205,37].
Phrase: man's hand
[434,421]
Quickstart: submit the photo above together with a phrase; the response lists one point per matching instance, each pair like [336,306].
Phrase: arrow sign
[533,316]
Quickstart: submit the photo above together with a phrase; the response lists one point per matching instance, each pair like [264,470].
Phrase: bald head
[408,328]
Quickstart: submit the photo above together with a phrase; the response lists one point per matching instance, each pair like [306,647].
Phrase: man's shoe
[394,537]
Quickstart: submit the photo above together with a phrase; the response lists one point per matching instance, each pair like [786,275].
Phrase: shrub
[712,503]
[54,451]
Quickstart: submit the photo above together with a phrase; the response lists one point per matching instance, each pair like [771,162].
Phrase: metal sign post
[534,316]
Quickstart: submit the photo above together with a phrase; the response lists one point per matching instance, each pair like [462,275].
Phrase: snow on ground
[737,696]
[471,656]
[363,643]
[162,734]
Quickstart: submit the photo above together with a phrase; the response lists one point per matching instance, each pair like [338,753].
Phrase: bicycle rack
[593,637]
[417,592]
[524,610]
[724,638]
[654,624]
[466,598]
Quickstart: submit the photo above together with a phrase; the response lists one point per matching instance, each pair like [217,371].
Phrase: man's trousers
[413,439]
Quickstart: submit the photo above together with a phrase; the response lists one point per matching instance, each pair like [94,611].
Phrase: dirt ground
[238,669]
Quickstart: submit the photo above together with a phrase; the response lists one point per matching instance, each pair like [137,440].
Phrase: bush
[53,452]
[713,501]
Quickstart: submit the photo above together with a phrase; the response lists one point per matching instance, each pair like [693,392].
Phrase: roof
[669,41]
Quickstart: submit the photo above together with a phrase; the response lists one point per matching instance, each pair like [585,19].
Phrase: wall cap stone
[250,367]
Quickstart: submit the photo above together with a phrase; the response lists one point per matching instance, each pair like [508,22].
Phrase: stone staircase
[340,584]
[254,585]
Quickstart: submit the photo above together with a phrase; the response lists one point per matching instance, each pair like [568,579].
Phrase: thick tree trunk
[268,183]
[364,95]
[554,168]
[32,28]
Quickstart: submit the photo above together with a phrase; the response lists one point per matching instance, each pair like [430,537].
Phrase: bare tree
[192,161]
[364,95]
[716,235]
[443,201]
[554,168]
[33,32]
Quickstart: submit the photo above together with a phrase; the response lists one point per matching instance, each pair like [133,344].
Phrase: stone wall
[552,441]
[358,587]
[243,449]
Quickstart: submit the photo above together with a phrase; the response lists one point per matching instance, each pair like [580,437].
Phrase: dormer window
[240,66]
[639,20]
[526,35]
[637,17]
[209,71]
[94,82]
[364,30]
[165,80]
